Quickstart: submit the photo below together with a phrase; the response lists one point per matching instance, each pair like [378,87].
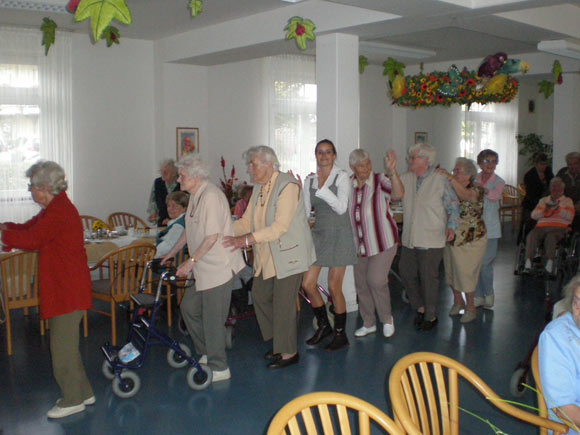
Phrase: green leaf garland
[48,29]
[102,13]
[300,29]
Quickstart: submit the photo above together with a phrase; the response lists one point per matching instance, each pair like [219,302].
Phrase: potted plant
[531,144]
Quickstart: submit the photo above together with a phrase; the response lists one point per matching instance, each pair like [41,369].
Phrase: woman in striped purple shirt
[376,238]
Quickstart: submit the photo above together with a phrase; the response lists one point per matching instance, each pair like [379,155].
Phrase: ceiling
[446,30]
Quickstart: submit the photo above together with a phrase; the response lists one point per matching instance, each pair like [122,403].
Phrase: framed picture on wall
[421,137]
[187,141]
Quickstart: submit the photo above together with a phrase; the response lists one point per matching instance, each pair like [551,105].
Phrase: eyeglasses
[490,161]
[458,171]
[30,186]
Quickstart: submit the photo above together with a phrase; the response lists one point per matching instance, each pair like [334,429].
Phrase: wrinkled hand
[167,259]
[184,270]
[444,173]
[153,217]
[449,234]
[391,161]
[296,176]
[234,242]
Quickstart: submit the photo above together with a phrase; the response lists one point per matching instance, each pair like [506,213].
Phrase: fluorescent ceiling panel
[477,4]
[561,48]
[395,50]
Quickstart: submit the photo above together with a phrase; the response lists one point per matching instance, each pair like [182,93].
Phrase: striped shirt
[559,216]
[374,227]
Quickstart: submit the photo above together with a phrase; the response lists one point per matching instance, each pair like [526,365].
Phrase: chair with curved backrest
[126,220]
[180,257]
[326,412]
[19,285]
[543,408]
[510,205]
[88,222]
[424,393]
[124,267]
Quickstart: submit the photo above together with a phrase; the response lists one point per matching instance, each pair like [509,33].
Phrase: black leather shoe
[280,363]
[419,318]
[271,356]
[320,334]
[428,325]
[339,341]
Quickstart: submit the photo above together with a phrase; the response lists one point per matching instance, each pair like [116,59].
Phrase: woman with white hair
[275,225]
[376,237]
[559,360]
[463,255]
[430,213]
[205,308]
[64,279]
[162,186]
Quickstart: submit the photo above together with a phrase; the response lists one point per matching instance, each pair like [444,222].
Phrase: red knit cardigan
[57,234]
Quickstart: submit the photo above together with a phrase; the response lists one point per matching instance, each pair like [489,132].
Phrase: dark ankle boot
[339,339]
[324,329]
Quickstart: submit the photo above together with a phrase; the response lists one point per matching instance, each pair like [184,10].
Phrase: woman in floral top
[463,256]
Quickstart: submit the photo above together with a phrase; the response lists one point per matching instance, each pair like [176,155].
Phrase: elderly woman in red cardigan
[65,284]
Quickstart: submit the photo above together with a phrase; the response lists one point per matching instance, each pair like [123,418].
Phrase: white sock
[549,266]
[528,264]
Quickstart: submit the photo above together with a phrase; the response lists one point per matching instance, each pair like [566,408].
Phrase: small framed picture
[421,137]
[187,141]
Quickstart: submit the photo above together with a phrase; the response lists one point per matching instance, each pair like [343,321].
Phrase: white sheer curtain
[291,90]
[493,126]
[35,114]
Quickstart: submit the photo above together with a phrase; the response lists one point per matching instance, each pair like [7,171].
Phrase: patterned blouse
[471,226]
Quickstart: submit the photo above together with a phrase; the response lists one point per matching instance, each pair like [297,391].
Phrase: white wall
[113,126]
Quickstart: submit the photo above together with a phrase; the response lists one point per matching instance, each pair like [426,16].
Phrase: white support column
[566,115]
[338,118]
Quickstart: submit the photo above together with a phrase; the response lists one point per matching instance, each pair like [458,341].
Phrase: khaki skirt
[463,263]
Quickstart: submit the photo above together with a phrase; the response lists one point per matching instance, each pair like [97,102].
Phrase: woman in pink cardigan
[65,284]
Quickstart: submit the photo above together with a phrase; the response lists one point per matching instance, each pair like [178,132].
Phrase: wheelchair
[565,264]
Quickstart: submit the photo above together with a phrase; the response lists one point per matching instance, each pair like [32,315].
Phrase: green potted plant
[531,144]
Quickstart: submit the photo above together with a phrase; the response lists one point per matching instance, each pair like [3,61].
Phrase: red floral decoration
[229,184]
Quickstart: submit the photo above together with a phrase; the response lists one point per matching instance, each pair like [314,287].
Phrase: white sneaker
[221,375]
[489,300]
[202,359]
[90,401]
[388,329]
[58,412]
[479,302]
[363,330]
[528,264]
[549,266]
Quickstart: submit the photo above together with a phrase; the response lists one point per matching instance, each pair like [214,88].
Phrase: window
[492,126]
[35,115]
[291,82]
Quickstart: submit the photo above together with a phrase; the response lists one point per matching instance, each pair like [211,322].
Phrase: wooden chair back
[19,284]
[123,270]
[88,222]
[543,408]
[126,220]
[328,412]
[510,205]
[424,393]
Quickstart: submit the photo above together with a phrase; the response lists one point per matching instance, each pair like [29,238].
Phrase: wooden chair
[126,220]
[88,222]
[543,408]
[327,411]
[19,285]
[424,392]
[180,291]
[510,205]
[124,267]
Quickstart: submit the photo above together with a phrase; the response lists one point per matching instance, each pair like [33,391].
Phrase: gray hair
[468,165]
[194,166]
[168,162]
[424,150]
[49,174]
[572,156]
[557,180]
[357,156]
[568,292]
[264,153]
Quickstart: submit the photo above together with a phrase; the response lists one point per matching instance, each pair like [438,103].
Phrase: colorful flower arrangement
[426,90]
[229,184]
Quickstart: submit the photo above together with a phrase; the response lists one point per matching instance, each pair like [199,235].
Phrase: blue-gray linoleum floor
[491,346]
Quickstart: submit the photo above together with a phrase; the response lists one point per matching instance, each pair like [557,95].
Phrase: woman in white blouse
[327,193]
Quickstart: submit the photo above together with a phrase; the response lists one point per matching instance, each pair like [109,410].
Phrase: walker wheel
[229,337]
[107,370]
[177,361]
[199,380]
[516,381]
[128,386]
[329,313]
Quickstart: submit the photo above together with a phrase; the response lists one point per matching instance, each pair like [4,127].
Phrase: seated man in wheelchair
[554,214]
